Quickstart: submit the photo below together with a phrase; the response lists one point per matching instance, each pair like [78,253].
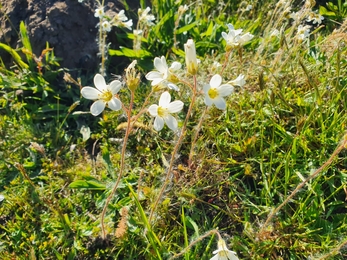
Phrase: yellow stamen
[212,93]
[162,111]
[107,96]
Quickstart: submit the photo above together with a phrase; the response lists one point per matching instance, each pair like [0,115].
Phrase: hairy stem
[173,155]
[196,134]
[121,168]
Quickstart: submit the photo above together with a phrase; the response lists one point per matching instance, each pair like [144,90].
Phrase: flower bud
[191,60]
[132,80]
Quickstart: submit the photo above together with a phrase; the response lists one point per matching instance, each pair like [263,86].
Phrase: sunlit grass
[276,131]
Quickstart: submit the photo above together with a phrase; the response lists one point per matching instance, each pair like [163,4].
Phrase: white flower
[162,113]
[120,20]
[214,92]
[249,8]
[164,74]
[303,32]
[223,253]
[215,66]
[99,12]
[315,18]
[128,24]
[245,38]
[121,16]
[146,18]
[239,81]
[275,33]
[235,38]
[103,94]
[106,26]
[191,61]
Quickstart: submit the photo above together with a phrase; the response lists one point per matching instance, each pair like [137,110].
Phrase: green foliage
[275,132]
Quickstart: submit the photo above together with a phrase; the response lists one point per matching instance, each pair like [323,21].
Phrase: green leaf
[14,55]
[323,11]
[186,28]
[87,184]
[209,30]
[130,53]
[24,36]
[26,41]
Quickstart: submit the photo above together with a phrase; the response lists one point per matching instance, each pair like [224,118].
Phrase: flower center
[162,111]
[212,93]
[106,96]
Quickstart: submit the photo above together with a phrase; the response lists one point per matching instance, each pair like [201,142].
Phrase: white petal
[220,103]
[158,123]
[216,257]
[99,82]
[225,90]
[153,75]
[225,36]
[175,106]
[171,122]
[172,86]
[206,88]
[208,101]
[230,27]
[215,81]
[115,86]
[90,93]
[115,104]
[157,81]
[153,110]
[165,99]
[175,66]
[239,81]
[97,107]
[159,65]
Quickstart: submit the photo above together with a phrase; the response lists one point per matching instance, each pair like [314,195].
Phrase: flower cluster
[106,23]
[162,77]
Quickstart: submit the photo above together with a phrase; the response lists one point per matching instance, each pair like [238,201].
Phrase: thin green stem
[173,155]
[121,168]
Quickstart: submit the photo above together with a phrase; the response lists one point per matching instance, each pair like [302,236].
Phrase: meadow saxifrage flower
[132,78]
[99,12]
[214,92]
[104,95]
[145,18]
[163,74]
[106,26]
[239,81]
[223,253]
[120,20]
[191,60]
[315,18]
[163,111]
[303,32]
[235,38]
[128,24]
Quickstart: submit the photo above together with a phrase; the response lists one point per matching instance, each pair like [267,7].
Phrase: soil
[68,26]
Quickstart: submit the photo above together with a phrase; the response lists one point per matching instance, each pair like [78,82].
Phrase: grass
[268,174]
